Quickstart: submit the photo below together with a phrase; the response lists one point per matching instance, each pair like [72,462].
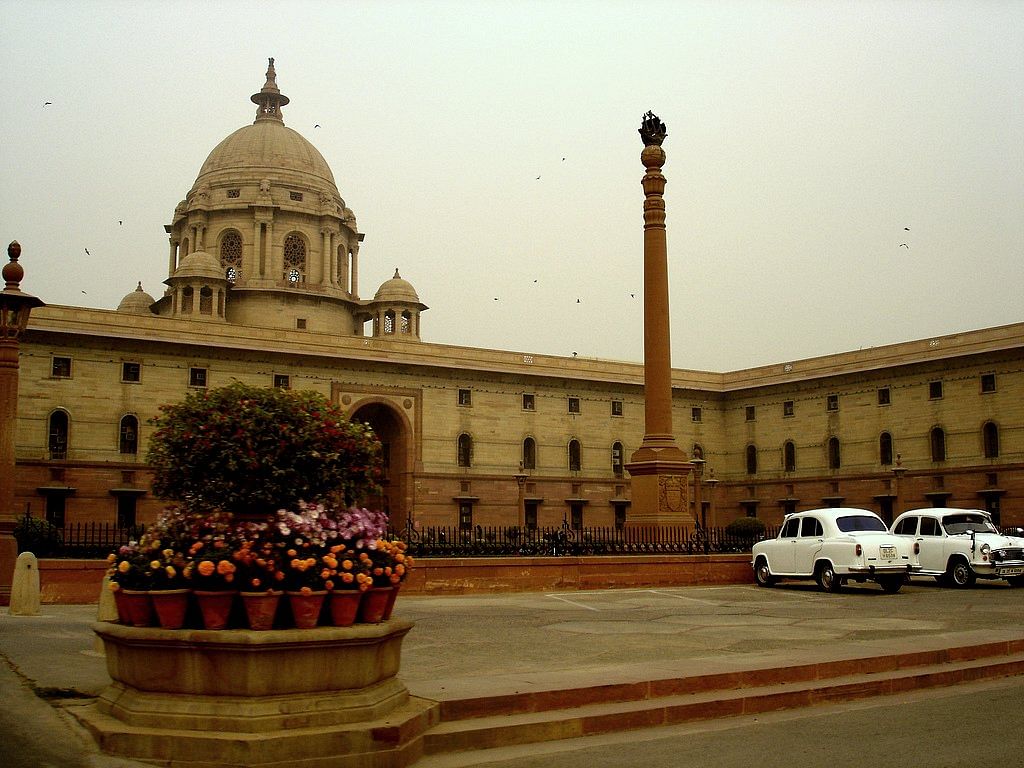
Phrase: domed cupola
[395,310]
[198,288]
[266,211]
[138,302]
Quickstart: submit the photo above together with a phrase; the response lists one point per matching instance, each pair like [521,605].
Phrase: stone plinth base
[660,489]
[202,698]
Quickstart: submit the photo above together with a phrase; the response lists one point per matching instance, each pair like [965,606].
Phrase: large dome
[265,149]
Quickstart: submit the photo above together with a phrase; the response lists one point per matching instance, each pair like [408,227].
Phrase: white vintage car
[961,545]
[833,546]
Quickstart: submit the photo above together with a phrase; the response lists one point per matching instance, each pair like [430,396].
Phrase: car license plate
[887,553]
[1015,571]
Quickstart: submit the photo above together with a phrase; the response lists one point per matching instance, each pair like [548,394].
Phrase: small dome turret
[200,264]
[138,302]
[397,289]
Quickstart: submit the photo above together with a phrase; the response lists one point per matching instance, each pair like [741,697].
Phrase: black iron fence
[77,540]
[512,541]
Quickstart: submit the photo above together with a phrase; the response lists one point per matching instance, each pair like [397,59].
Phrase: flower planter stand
[232,698]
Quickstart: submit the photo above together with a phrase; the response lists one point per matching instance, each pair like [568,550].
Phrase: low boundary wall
[77,582]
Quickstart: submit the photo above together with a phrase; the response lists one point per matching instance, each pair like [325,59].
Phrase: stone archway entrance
[393,432]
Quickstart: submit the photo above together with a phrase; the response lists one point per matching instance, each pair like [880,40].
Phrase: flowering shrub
[253,450]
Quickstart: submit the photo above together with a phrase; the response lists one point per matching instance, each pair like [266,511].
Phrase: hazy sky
[804,138]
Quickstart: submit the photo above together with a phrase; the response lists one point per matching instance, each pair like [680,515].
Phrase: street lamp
[711,481]
[898,471]
[698,516]
[520,478]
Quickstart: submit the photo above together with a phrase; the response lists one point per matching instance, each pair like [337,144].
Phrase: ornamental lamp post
[520,478]
[711,481]
[698,508]
[15,307]
[898,471]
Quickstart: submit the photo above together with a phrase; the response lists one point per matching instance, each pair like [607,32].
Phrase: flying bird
[47,103]
[578,301]
[904,245]
[906,229]
[87,252]
[120,222]
[632,295]
[538,178]
[317,125]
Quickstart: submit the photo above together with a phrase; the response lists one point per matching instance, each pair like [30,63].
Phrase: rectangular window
[465,515]
[197,377]
[883,396]
[282,381]
[465,397]
[56,504]
[832,403]
[233,193]
[695,414]
[616,407]
[296,196]
[126,510]
[751,412]
[131,372]
[574,405]
[300,323]
[787,408]
[934,390]
[61,368]
[988,382]
[529,404]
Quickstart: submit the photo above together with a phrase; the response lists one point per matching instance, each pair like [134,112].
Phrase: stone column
[659,469]
[15,307]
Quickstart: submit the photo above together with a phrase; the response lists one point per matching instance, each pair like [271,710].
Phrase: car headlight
[985,549]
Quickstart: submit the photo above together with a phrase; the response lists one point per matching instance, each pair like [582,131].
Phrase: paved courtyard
[483,644]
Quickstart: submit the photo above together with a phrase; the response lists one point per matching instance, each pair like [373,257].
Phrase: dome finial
[270,99]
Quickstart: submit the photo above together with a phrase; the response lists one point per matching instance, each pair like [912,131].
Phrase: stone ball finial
[652,130]
[13,272]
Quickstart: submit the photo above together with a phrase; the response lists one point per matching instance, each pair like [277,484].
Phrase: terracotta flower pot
[344,605]
[375,602]
[170,606]
[261,608]
[306,608]
[215,608]
[391,602]
[138,607]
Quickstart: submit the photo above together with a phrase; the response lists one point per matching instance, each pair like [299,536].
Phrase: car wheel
[960,574]
[890,584]
[827,578]
[762,573]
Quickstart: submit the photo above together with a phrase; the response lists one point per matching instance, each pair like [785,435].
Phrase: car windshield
[964,523]
[860,523]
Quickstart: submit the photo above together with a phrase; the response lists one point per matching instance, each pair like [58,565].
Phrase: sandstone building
[263,287]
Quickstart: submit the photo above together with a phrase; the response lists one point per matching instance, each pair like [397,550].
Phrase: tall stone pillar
[659,469]
[15,307]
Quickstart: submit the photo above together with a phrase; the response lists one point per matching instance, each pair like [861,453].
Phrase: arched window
[294,259]
[574,456]
[58,440]
[465,450]
[938,441]
[206,300]
[990,439]
[128,441]
[885,449]
[406,324]
[186,300]
[529,453]
[231,255]
[751,459]
[833,453]
[789,456]
[617,462]
[389,322]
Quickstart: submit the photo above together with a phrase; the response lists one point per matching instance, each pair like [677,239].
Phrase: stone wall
[78,582]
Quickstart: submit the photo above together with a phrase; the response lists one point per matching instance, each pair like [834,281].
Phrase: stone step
[702,698]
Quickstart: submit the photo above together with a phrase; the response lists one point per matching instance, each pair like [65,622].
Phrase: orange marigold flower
[329,584]
[124,566]
[206,568]
[348,578]
[306,590]
[399,569]
[225,567]
[255,582]
[346,564]
[291,553]
[378,571]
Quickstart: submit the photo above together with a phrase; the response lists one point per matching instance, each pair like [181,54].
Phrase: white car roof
[943,511]
[833,512]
